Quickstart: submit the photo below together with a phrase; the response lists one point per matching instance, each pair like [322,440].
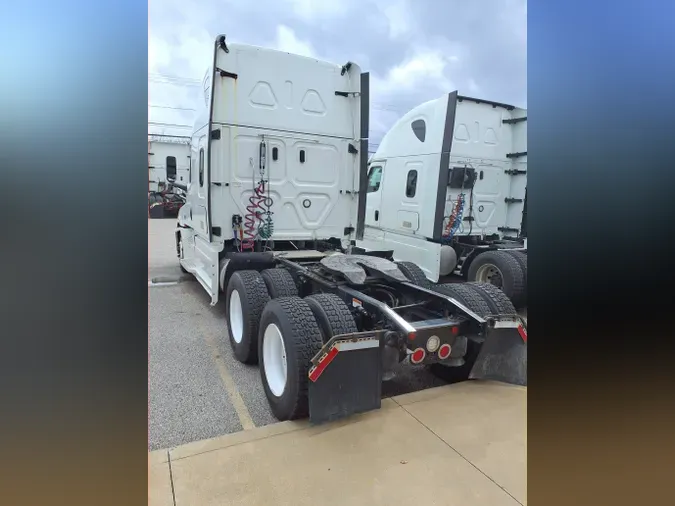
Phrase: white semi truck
[275,201]
[168,159]
[168,173]
[447,190]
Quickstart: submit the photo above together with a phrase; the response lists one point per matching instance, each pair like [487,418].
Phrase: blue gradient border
[73,126]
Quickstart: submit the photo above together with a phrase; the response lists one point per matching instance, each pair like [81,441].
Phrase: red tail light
[444,351]
[418,356]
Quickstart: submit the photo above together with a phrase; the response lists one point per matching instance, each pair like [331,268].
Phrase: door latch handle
[377,215]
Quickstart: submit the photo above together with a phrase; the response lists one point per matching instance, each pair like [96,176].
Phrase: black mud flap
[346,377]
[503,356]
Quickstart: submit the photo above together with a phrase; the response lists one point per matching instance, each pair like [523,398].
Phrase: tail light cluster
[433,346]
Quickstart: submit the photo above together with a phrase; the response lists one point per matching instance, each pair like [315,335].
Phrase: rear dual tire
[332,315]
[414,274]
[288,339]
[280,283]
[246,297]
[247,293]
[470,297]
[483,299]
[495,298]
[279,333]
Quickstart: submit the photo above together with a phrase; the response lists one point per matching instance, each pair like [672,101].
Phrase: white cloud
[195,47]
[317,10]
[474,89]
[425,66]
[287,41]
[399,16]
[158,54]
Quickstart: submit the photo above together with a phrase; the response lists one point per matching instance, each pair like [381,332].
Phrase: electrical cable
[254,212]
[456,216]
[260,204]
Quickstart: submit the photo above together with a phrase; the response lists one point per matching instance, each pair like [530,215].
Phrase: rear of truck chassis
[288,173]
[391,319]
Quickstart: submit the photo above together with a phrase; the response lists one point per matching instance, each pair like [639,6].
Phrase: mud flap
[503,356]
[346,377]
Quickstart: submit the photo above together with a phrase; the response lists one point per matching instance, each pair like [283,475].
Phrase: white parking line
[162,283]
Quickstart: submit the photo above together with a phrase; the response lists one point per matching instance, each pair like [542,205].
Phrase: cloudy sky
[415,50]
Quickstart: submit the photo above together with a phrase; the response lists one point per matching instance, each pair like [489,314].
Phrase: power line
[183,85]
[169,107]
[168,125]
[184,137]
[387,108]
[154,75]
[174,80]
[180,85]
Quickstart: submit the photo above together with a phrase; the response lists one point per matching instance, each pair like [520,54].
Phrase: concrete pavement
[462,444]
[162,258]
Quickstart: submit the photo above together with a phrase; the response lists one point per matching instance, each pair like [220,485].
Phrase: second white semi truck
[447,190]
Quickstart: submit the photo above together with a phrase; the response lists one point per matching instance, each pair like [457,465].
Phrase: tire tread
[466,296]
[496,298]
[414,274]
[279,283]
[256,295]
[306,338]
[340,318]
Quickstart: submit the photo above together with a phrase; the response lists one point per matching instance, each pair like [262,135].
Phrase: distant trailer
[167,154]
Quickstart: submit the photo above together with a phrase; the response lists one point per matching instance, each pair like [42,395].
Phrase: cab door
[374,196]
[200,209]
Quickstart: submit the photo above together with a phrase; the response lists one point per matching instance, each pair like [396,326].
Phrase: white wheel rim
[487,272]
[274,360]
[236,317]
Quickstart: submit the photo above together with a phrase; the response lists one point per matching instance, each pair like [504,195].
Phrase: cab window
[374,179]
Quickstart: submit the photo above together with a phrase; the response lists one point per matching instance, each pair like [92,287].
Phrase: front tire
[180,256]
[289,337]
[245,300]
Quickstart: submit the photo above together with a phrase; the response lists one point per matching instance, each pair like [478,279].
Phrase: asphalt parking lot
[197,389]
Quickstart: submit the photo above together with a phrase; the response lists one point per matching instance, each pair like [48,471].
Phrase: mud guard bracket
[345,377]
